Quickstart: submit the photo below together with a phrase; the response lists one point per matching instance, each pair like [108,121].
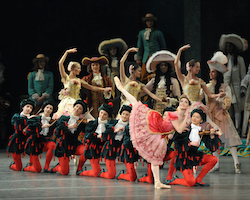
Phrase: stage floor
[27,185]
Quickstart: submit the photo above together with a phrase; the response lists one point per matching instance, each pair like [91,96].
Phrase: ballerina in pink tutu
[149,132]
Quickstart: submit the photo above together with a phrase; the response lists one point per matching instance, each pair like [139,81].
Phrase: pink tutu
[146,130]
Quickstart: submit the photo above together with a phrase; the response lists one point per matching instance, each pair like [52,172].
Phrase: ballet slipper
[159,185]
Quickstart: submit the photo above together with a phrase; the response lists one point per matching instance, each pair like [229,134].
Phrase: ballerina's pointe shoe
[118,83]
[159,185]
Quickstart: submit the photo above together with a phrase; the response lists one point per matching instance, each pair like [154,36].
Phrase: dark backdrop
[50,27]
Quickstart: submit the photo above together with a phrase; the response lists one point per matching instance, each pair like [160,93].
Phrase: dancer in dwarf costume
[67,131]
[113,137]
[94,141]
[148,133]
[187,144]
[17,140]
[128,155]
[40,131]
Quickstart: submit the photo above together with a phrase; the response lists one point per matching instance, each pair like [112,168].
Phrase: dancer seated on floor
[187,144]
[67,130]
[113,137]
[17,140]
[40,131]
[94,140]
[148,132]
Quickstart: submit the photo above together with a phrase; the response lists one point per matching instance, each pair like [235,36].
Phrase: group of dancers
[143,130]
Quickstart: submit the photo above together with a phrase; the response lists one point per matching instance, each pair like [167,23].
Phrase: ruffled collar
[39,75]
[122,122]
[46,118]
[102,122]
[24,115]
[195,127]
[74,117]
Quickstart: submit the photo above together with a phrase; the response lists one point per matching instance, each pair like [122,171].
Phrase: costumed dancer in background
[17,140]
[131,84]
[149,41]
[40,81]
[72,86]
[187,144]
[128,154]
[192,85]
[94,141]
[149,132]
[245,90]
[113,137]
[232,45]
[113,49]
[219,108]
[163,85]
[40,131]
[98,79]
[67,130]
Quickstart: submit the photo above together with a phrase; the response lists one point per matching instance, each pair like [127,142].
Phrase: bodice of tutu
[133,88]
[157,125]
[72,85]
[192,89]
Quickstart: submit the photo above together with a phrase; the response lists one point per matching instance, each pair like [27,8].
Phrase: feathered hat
[239,42]
[217,62]
[158,57]
[105,45]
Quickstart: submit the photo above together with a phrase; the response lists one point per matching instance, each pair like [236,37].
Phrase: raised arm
[180,127]
[122,61]
[61,61]
[180,76]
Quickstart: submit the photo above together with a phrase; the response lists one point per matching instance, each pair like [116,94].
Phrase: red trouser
[18,162]
[111,169]
[63,167]
[171,156]
[131,173]
[34,159]
[208,161]
[96,169]
[149,178]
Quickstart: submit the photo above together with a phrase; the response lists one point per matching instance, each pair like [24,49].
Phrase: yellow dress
[65,107]
[192,89]
[134,88]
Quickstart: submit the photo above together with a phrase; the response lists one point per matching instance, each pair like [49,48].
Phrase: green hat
[126,108]
[107,107]
[84,105]
[50,102]
[27,101]
[202,114]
